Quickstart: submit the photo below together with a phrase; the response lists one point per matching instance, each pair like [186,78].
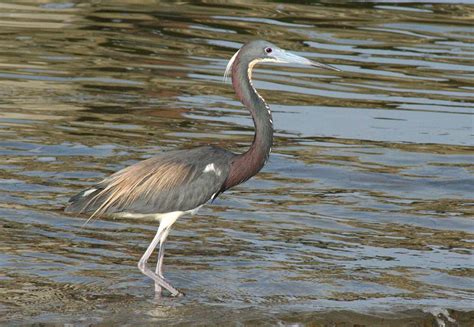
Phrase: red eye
[268,50]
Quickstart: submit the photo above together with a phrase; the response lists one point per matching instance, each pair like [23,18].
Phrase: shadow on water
[363,215]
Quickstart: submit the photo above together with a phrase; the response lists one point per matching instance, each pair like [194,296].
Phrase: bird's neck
[248,164]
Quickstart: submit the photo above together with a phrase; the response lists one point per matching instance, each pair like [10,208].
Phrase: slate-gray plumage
[174,183]
[195,189]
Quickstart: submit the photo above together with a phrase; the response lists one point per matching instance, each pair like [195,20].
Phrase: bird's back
[179,180]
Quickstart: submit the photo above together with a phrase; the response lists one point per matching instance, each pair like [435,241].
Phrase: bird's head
[257,51]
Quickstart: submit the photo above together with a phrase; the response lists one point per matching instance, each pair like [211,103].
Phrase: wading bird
[179,182]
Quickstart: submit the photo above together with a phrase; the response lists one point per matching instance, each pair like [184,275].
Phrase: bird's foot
[160,282]
[179,294]
[174,292]
[158,292]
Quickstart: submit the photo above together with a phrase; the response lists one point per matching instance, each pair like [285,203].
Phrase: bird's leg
[159,263]
[142,265]
[161,251]
[158,270]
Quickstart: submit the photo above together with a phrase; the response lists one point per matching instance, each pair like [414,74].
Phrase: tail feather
[84,202]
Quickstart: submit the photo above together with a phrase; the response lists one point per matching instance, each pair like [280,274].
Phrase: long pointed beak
[291,58]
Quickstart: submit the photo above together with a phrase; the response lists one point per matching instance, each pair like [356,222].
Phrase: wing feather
[126,186]
[175,180]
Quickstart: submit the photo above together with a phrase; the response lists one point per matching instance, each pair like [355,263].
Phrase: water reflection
[366,203]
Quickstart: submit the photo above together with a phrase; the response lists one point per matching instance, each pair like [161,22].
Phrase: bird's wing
[173,181]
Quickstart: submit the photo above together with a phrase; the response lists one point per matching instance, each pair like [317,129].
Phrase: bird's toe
[179,294]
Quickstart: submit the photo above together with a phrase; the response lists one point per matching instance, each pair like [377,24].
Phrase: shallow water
[363,215]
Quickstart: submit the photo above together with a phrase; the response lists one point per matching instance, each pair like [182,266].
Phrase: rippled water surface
[363,215]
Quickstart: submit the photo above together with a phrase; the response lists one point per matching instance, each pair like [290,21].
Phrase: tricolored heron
[175,183]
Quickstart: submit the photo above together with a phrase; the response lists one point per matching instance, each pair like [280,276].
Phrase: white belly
[166,219]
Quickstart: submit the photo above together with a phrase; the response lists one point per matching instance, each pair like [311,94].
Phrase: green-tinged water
[363,214]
